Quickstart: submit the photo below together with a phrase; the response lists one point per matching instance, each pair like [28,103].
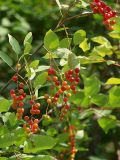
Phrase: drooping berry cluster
[72,142]
[108,14]
[64,87]
[18,96]
[31,125]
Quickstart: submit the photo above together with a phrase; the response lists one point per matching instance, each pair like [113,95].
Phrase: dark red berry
[21,104]
[51,71]
[77,70]
[15,78]
[12,91]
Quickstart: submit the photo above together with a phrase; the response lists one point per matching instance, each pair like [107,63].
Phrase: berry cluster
[18,96]
[72,141]
[31,125]
[64,87]
[108,14]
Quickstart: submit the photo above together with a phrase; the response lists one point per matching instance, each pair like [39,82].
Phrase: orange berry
[49,101]
[55,78]
[36,121]
[64,83]
[68,95]
[35,126]
[67,87]
[60,91]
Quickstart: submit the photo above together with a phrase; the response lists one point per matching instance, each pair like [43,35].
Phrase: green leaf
[14,44]
[4,105]
[6,58]
[28,38]
[40,79]
[73,61]
[28,48]
[84,45]
[90,59]
[114,94]
[102,40]
[65,43]
[51,41]
[77,98]
[114,34]
[3,158]
[79,36]
[62,52]
[16,137]
[113,81]
[102,51]
[34,64]
[43,157]
[42,68]
[100,99]
[80,99]
[10,117]
[91,85]
[117,25]
[107,123]
[38,143]
[51,132]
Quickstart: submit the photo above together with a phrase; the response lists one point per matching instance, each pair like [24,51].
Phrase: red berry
[20,98]
[12,91]
[77,79]
[70,72]
[63,88]
[73,87]
[21,85]
[57,95]
[21,104]
[37,112]
[57,83]
[67,107]
[26,118]
[21,91]
[15,78]
[24,95]
[51,71]
[31,102]
[71,79]
[77,70]
[65,99]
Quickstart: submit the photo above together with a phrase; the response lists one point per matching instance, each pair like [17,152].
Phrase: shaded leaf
[39,142]
[40,79]
[6,58]
[107,123]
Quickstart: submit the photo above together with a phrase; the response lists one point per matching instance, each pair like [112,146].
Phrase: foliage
[64,102]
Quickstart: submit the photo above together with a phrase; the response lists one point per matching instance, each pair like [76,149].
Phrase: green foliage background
[101,140]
